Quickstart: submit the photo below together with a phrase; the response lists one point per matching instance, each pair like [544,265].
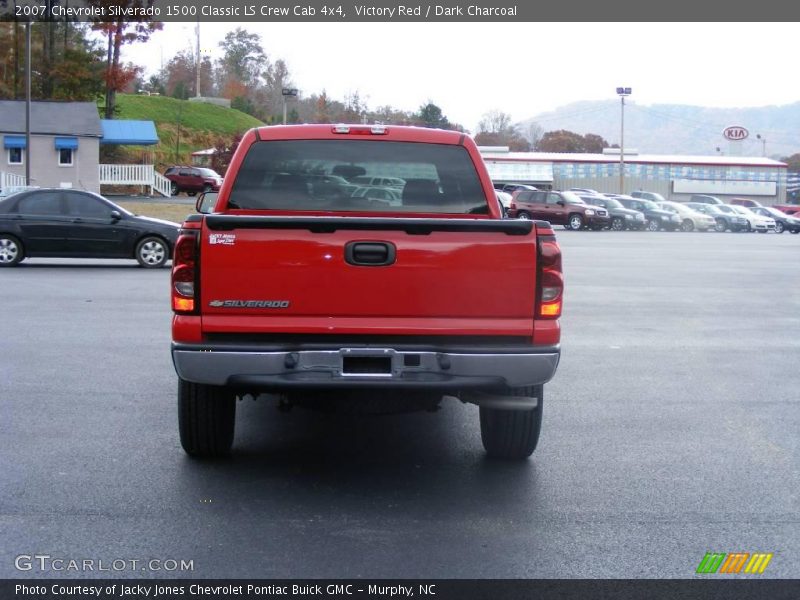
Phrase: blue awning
[14,141]
[66,143]
[131,133]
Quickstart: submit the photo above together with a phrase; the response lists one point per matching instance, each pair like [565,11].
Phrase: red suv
[744,202]
[193,180]
[560,208]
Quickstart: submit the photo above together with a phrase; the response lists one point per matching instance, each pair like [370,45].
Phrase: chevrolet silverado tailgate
[376,275]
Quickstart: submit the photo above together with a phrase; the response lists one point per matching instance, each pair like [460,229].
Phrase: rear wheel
[11,252]
[206,419]
[575,222]
[687,225]
[512,434]
[617,224]
[721,225]
[173,188]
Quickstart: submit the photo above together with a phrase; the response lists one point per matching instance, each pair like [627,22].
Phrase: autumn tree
[181,73]
[792,162]
[224,150]
[120,31]
[322,108]
[72,71]
[495,129]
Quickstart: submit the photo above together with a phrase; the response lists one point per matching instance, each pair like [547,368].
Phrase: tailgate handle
[370,254]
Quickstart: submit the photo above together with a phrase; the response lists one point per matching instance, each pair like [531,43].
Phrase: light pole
[27,102]
[286,92]
[763,144]
[622,92]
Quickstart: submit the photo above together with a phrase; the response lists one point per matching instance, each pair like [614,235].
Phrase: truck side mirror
[206,202]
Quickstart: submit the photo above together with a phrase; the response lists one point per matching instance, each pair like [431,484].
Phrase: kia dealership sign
[735,133]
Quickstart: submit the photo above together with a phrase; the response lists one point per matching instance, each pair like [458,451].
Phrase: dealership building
[673,176]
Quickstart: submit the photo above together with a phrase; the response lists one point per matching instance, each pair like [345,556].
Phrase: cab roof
[337,131]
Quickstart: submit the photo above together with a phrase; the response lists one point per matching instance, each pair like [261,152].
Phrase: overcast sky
[520,68]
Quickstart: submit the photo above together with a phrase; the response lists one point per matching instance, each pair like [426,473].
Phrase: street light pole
[763,144]
[622,92]
[287,92]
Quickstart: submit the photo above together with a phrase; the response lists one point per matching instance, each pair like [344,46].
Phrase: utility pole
[197,62]
[28,103]
[622,92]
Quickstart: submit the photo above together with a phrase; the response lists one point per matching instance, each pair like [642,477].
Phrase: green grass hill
[191,125]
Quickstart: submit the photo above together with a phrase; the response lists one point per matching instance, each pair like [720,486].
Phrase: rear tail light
[550,279]
[184,274]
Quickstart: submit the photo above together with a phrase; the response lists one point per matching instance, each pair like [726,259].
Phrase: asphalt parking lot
[669,431]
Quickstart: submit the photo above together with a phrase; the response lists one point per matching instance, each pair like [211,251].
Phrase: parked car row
[582,208]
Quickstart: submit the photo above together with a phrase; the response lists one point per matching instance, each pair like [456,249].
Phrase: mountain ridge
[680,128]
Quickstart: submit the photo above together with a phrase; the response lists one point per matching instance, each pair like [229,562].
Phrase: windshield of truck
[296,175]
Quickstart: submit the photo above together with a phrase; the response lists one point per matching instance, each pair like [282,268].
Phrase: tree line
[84,62]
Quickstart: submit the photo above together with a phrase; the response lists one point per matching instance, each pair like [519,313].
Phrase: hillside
[680,129]
[199,126]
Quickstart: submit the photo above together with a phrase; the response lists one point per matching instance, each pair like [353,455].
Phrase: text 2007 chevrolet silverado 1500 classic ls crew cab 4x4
[293,286]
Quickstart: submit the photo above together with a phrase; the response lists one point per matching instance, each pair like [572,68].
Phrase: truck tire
[512,434]
[206,419]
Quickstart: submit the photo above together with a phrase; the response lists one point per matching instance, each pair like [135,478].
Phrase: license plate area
[369,366]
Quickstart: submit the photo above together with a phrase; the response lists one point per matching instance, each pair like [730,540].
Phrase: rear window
[293,175]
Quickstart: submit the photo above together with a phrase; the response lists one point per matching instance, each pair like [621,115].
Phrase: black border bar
[431,11]
[439,589]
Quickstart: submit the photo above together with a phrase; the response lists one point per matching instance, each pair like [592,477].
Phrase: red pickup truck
[286,283]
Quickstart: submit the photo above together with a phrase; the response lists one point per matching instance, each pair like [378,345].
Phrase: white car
[504,198]
[690,218]
[755,222]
